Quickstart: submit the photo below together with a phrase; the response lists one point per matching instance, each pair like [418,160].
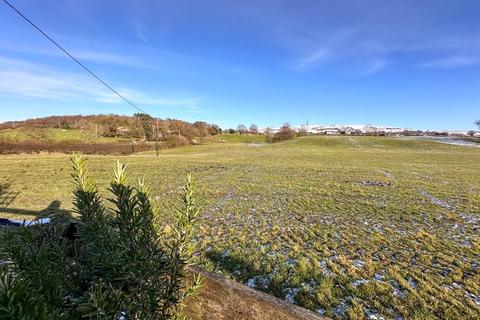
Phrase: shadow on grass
[7,197]
[243,270]
[231,264]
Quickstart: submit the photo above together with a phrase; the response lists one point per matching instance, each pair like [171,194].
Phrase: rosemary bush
[114,265]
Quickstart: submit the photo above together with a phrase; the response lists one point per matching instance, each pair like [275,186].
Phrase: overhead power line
[73,58]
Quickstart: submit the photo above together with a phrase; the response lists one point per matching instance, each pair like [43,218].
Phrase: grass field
[350,227]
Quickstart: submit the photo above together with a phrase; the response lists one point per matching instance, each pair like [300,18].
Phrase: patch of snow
[258,282]
[271,254]
[445,272]
[225,253]
[291,293]
[398,291]
[309,286]
[373,314]
[325,269]
[378,277]
[475,298]
[437,201]
[456,285]
[341,309]
[412,283]
[470,218]
[358,263]
[321,311]
[237,272]
[291,262]
[356,283]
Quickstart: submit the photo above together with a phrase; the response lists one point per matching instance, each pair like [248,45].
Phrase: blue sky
[406,63]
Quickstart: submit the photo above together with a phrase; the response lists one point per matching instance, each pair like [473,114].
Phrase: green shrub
[114,266]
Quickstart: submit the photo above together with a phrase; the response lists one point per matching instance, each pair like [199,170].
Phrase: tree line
[286,132]
[139,126]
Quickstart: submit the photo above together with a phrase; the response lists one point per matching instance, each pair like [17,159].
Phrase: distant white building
[340,129]
[393,130]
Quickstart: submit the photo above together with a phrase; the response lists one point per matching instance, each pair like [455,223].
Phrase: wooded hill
[137,127]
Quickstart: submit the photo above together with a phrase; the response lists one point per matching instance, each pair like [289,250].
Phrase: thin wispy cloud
[31,80]
[344,46]
[142,98]
[358,38]
[314,59]
[453,62]
[139,31]
[375,66]
[95,56]
[107,57]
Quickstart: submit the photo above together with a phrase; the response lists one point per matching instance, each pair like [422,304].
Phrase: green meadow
[349,227]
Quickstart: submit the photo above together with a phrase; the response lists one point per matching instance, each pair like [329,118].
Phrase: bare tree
[242,129]
[253,128]
[302,131]
[285,133]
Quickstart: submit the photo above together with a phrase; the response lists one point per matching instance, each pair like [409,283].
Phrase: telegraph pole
[156,137]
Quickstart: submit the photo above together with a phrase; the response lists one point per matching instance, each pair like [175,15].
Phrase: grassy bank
[55,135]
